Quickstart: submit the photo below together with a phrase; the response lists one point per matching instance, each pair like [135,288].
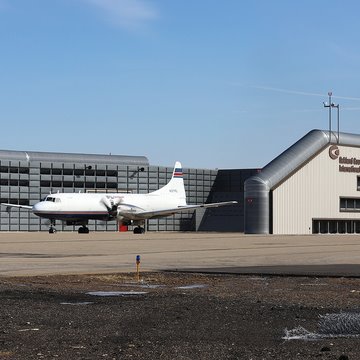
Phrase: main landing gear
[139,230]
[83,230]
[52,230]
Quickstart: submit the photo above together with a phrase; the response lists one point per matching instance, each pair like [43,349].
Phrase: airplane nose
[38,208]
[35,208]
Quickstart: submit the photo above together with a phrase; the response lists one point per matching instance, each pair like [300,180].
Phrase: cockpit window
[50,198]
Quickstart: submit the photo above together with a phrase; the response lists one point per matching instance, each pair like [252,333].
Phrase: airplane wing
[8,206]
[167,212]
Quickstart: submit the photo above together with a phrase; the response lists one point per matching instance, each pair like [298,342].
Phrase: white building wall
[314,191]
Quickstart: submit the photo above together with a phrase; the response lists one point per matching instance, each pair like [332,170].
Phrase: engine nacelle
[123,220]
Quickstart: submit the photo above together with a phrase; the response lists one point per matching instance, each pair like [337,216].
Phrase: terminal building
[313,187]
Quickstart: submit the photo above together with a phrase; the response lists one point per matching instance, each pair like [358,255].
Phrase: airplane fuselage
[75,207]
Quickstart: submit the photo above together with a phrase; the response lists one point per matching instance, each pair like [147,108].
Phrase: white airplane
[79,208]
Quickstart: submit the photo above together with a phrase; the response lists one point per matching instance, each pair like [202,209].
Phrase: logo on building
[334,152]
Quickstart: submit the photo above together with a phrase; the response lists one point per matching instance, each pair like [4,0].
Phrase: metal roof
[30,156]
[257,187]
[299,153]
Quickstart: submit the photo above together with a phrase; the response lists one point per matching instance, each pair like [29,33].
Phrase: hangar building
[313,187]
[27,177]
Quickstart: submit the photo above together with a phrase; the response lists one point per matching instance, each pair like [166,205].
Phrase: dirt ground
[173,316]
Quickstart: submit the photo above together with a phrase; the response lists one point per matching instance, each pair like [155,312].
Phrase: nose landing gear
[139,230]
[52,229]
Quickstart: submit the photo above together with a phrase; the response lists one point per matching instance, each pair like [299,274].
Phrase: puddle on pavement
[314,284]
[77,303]
[24,330]
[116,293]
[143,285]
[190,287]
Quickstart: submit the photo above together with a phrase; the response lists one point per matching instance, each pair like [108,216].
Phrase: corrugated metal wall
[25,180]
[314,192]
[228,186]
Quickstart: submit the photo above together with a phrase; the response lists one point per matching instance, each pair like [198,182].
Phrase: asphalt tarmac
[40,253]
[71,296]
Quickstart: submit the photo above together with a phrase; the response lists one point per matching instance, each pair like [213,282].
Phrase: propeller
[111,203]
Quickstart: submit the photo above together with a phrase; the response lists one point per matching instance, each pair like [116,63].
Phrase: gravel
[176,316]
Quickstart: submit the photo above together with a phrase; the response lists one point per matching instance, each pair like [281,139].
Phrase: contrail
[287,91]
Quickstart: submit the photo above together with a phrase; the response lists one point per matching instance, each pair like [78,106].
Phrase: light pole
[328,105]
[338,120]
[331,105]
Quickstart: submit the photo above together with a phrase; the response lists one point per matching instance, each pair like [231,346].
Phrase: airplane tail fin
[175,187]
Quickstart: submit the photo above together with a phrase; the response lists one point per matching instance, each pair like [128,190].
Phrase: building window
[336,226]
[45,171]
[79,172]
[56,171]
[24,170]
[100,172]
[112,173]
[68,172]
[349,204]
[89,172]
[23,182]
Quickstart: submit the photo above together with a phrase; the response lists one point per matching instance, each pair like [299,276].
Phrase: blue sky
[214,84]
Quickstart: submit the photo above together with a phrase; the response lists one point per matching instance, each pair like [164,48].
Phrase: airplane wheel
[139,230]
[52,230]
[83,230]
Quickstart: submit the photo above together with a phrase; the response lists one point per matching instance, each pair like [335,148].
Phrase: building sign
[346,164]
[334,152]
